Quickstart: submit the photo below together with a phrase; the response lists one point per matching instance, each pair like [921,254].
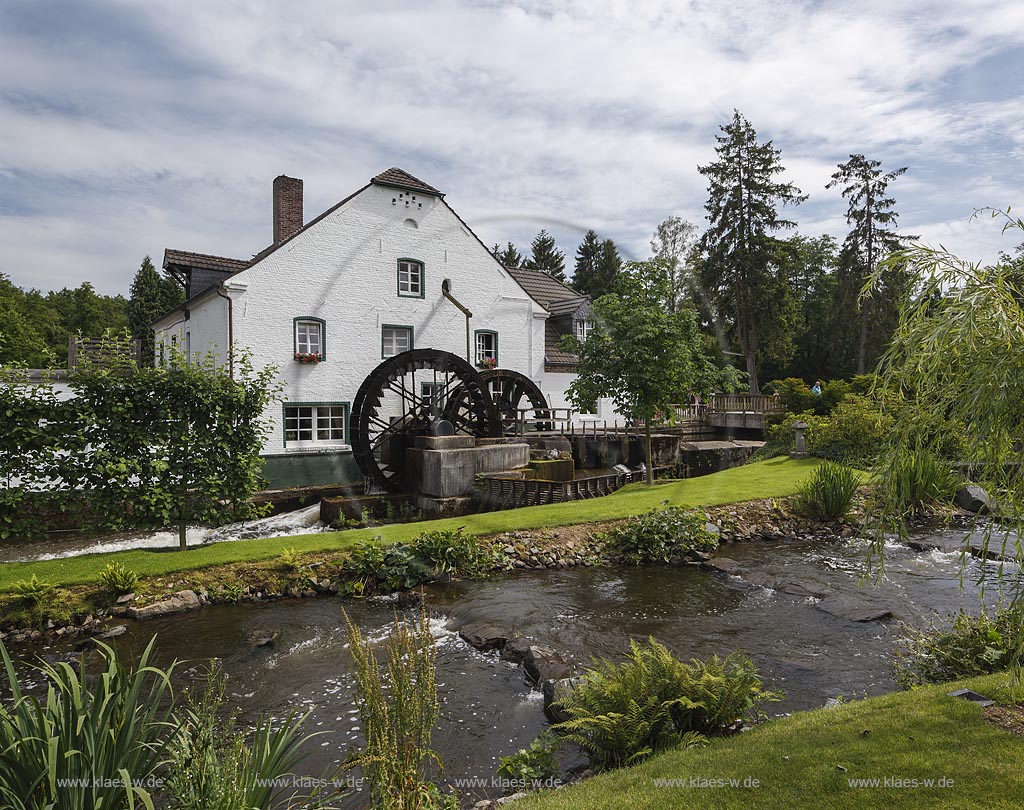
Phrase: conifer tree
[152,296]
[546,257]
[597,266]
[740,270]
[509,256]
[871,239]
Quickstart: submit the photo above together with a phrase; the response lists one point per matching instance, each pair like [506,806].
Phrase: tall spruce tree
[609,269]
[871,239]
[584,277]
[672,244]
[152,296]
[740,269]
[546,257]
[509,256]
[598,265]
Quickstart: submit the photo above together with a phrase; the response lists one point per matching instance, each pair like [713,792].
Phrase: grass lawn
[766,479]
[808,760]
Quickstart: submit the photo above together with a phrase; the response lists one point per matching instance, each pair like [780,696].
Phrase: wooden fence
[507,493]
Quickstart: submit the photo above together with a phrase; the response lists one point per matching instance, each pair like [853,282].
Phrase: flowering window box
[487,363]
[308,357]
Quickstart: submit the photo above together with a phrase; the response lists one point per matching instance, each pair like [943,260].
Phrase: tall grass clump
[827,494]
[621,713]
[398,706]
[105,734]
[913,478]
[214,765]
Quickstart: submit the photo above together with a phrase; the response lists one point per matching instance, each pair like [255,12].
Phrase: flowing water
[489,710]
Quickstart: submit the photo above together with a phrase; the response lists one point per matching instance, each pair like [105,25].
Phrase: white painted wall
[343,270]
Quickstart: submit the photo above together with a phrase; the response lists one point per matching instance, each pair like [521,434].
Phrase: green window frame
[480,351]
[307,319]
[313,424]
[383,341]
[414,284]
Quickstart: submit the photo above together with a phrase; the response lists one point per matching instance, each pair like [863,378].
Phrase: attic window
[583,329]
[410,278]
[310,337]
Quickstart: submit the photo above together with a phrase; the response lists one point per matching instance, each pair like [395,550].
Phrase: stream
[488,709]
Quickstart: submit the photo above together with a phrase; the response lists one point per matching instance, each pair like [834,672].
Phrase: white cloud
[567,115]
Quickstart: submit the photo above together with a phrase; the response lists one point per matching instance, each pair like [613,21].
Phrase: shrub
[662,536]
[852,433]
[398,708]
[532,767]
[827,494]
[973,645]
[455,553]
[393,568]
[833,392]
[795,394]
[622,713]
[780,438]
[119,579]
[106,733]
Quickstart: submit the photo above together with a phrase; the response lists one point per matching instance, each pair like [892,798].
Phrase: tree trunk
[647,452]
[755,389]
[183,522]
[862,349]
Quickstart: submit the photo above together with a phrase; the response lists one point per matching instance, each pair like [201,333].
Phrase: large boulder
[178,603]
[543,664]
[973,498]
[483,636]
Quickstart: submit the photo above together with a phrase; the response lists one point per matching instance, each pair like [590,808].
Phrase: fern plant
[621,713]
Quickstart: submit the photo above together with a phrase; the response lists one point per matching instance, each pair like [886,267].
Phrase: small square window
[395,340]
[410,278]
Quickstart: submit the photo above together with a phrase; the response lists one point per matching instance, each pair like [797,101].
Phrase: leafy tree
[177,442]
[546,257]
[672,243]
[23,323]
[954,369]
[597,266]
[810,268]
[509,257]
[871,239]
[741,271]
[152,297]
[638,354]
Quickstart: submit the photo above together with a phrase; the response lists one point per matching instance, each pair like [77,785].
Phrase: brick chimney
[287,207]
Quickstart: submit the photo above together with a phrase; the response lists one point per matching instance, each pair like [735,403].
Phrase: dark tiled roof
[541,287]
[203,261]
[398,178]
[570,306]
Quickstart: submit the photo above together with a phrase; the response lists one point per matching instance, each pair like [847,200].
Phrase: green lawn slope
[811,759]
[766,479]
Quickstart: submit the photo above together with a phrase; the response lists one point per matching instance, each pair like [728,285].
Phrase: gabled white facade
[342,270]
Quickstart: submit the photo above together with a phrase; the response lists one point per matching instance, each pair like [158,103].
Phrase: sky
[127,127]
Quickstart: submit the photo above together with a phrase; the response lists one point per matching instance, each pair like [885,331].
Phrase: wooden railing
[745,403]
